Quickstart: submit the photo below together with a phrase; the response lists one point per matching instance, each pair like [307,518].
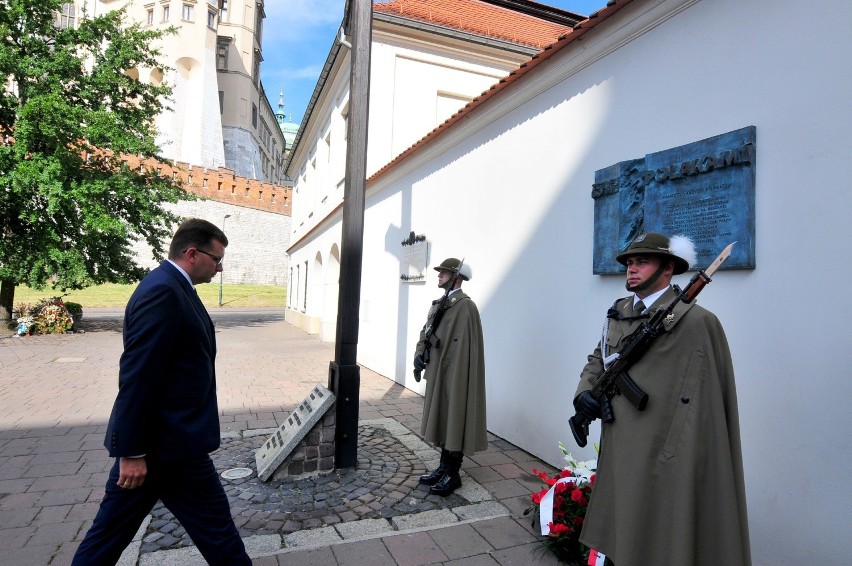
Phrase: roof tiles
[478,17]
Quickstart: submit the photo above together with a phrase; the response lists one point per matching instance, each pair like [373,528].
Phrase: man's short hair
[195,232]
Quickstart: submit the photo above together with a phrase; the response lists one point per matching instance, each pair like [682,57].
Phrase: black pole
[344,373]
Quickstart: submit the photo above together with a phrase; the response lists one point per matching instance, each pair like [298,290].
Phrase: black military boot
[434,477]
[451,480]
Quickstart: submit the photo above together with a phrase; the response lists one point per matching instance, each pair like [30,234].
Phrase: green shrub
[74,309]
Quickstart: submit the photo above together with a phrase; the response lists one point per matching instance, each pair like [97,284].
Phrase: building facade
[429,59]
[218,115]
[507,183]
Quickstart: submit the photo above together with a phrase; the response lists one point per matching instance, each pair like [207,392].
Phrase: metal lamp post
[222,273]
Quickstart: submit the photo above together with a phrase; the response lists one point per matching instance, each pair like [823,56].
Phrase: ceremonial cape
[454,407]
[669,486]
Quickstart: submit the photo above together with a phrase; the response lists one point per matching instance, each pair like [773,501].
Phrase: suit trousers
[190,489]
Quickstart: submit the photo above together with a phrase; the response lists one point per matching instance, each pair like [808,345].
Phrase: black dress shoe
[434,477]
[448,484]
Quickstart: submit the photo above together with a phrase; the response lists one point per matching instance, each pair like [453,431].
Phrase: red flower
[565,473]
[592,479]
[537,497]
[578,520]
[558,529]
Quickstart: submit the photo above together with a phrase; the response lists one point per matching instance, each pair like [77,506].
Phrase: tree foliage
[70,206]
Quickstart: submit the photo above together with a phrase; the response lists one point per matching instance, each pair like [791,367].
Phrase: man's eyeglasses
[217,258]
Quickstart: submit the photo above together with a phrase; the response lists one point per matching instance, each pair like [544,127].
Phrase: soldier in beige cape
[454,407]
[669,487]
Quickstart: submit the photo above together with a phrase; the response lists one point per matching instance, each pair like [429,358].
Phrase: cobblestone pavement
[56,393]
[384,485]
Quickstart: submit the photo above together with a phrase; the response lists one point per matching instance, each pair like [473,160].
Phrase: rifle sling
[439,315]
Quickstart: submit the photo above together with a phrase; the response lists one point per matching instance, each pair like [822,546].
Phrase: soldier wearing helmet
[451,352]
[669,486]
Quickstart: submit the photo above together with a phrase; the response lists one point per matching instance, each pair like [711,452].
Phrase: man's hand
[587,405]
[131,472]
[419,364]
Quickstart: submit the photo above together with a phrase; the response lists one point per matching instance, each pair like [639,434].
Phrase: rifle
[615,379]
[436,320]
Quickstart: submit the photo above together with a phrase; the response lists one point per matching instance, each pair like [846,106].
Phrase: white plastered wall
[509,190]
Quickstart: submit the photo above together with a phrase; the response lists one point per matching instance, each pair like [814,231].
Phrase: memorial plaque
[276,449]
[414,259]
[704,190]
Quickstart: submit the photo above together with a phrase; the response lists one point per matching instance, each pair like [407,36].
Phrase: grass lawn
[111,295]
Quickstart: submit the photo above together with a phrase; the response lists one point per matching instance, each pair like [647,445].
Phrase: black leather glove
[587,405]
[419,364]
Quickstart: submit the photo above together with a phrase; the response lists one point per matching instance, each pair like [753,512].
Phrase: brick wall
[258,224]
[223,185]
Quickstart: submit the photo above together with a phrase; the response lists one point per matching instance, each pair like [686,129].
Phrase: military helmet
[452,265]
[678,249]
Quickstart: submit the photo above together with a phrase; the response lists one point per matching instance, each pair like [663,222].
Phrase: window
[221,102]
[222,53]
[257,60]
[166,13]
[211,20]
[65,18]
[254,114]
[150,17]
[188,13]
[223,11]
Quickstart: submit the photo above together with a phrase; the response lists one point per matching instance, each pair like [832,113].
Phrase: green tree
[70,206]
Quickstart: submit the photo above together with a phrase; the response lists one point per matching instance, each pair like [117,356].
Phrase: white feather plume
[684,248]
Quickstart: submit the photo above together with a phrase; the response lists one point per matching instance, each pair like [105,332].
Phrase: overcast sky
[297,36]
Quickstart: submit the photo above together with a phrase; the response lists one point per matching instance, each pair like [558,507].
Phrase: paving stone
[506,488]
[15,538]
[55,534]
[29,555]
[414,549]
[364,528]
[314,557]
[478,560]
[503,532]
[314,537]
[460,542]
[65,496]
[524,555]
[363,552]
[479,511]
[13,518]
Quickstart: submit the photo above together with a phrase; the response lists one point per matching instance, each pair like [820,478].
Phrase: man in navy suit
[165,420]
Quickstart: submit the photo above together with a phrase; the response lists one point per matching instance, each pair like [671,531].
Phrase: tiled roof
[478,17]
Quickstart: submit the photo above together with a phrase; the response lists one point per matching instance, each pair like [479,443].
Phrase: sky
[298,34]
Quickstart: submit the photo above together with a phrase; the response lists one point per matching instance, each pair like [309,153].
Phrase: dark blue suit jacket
[166,405]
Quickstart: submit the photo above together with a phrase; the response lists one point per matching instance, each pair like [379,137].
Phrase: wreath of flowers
[560,508]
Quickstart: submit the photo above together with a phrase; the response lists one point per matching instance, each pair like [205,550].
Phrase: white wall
[509,189]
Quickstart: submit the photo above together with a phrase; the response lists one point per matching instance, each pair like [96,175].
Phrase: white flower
[583,469]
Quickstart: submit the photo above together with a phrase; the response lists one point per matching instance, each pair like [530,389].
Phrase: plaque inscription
[704,190]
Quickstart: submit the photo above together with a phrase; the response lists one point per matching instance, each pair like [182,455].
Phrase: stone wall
[314,454]
[258,223]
